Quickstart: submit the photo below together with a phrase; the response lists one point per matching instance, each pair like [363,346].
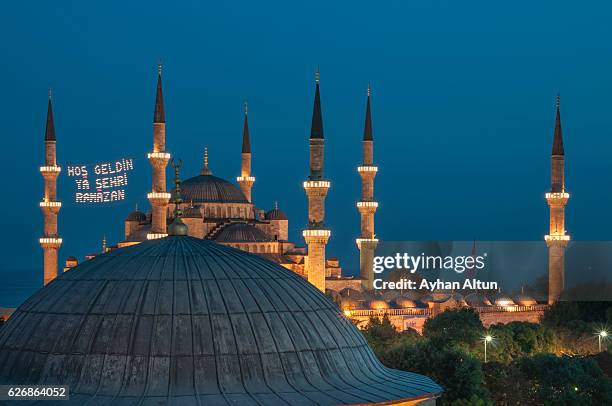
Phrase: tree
[566,380]
[519,339]
[457,372]
[457,326]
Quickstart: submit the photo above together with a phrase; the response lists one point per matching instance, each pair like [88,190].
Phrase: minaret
[245,180]
[50,242]
[159,158]
[557,198]
[316,235]
[367,206]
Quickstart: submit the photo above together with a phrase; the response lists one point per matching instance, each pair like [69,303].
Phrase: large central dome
[209,189]
[187,321]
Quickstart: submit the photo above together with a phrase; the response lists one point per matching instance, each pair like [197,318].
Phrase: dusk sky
[462,103]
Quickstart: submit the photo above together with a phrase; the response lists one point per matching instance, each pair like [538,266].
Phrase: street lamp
[487,339]
[603,334]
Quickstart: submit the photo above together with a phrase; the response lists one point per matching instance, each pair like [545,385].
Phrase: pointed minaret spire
[557,238]
[159,115]
[316,128]
[205,170]
[316,187]
[367,131]
[50,129]
[159,157]
[367,241]
[246,141]
[558,136]
[245,180]
[50,206]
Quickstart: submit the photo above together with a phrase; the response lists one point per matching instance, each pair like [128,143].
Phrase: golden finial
[276,204]
[317,75]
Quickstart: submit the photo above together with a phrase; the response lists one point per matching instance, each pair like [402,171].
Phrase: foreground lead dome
[186,321]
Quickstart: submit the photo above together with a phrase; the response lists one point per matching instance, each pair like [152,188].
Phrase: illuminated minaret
[159,160]
[50,242]
[367,206]
[245,180]
[557,198]
[316,235]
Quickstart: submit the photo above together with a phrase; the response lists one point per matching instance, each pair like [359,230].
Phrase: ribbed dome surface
[187,321]
[208,188]
[242,232]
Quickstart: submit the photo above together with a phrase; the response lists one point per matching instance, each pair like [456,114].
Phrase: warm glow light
[247,178]
[603,333]
[367,168]
[158,195]
[367,204]
[317,183]
[557,237]
[488,338]
[163,155]
[316,233]
[49,240]
[557,195]
[347,313]
[50,169]
[155,236]
[50,204]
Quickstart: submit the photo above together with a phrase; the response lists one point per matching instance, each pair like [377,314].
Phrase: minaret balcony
[366,242]
[48,204]
[556,237]
[316,233]
[317,184]
[160,196]
[557,195]
[155,236]
[367,168]
[50,242]
[373,205]
[314,236]
[158,155]
[50,169]
[245,179]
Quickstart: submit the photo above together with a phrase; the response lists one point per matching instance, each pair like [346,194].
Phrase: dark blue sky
[463,110]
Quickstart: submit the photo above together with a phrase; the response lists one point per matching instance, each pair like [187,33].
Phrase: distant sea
[16,285]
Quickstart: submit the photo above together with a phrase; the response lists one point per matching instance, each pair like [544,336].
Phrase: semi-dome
[185,320]
[210,189]
[241,232]
[136,215]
